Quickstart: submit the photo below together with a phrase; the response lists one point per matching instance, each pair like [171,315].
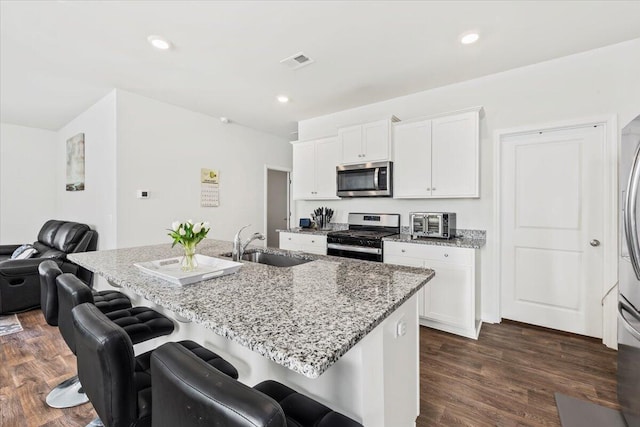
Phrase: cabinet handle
[433,189]
[428,189]
[289,238]
[313,241]
[446,255]
[402,250]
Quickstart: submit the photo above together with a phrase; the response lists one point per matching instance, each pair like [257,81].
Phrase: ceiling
[59,57]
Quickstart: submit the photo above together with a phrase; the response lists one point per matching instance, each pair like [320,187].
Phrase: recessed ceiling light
[283,99]
[159,42]
[469,38]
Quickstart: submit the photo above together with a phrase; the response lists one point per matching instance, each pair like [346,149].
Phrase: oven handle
[350,248]
[376,180]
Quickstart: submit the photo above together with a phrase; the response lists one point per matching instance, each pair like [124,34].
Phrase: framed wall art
[75,163]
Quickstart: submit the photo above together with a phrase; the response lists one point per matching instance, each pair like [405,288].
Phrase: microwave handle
[376,179]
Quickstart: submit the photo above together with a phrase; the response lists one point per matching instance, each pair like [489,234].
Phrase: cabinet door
[287,242]
[449,296]
[351,143]
[376,141]
[455,155]
[412,165]
[304,170]
[310,243]
[327,158]
[408,262]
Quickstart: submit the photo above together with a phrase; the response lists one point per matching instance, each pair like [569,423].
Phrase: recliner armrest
[87,243]
[8,249]
[20,267]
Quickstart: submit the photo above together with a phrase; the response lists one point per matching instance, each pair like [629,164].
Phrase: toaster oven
[441,225]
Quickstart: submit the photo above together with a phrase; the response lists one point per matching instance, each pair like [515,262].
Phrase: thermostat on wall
[142,194]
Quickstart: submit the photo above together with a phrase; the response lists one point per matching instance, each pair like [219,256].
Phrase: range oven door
[356,252]
[365,180]
[629,362]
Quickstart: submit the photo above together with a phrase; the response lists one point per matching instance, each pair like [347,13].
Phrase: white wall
[595,83]
[161,148]
[96,205]
[27,182]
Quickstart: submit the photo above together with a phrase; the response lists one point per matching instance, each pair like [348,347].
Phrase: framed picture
[75,163]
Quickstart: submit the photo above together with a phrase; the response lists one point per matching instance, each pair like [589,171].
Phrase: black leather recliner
[117,383]
[19,278]
[187,392]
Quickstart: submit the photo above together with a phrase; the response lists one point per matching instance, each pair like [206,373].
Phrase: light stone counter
[303,317]
[473,239]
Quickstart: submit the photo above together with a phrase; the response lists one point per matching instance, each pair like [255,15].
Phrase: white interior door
[552,221]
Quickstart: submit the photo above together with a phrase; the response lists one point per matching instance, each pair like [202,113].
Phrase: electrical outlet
[401,328]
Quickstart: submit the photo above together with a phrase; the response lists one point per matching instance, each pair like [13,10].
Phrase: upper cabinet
[438,158]
[314,169]
[370,142]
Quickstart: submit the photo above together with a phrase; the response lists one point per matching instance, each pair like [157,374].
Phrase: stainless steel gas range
[363,239]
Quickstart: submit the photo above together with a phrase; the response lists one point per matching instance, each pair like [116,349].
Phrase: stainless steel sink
[276,260]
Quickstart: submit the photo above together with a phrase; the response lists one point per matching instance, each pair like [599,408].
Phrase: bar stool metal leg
[96,422]
[67,394]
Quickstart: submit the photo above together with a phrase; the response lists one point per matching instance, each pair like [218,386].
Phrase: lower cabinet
[311,243]
[451,300]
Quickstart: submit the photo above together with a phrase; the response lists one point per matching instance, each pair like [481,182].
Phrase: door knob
[595,242]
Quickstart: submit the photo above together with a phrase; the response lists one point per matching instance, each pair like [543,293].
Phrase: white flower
[190,221]
[182,232]
[197,228]
[206,225]
[175,225]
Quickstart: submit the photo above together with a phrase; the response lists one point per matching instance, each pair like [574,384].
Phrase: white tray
[208,268]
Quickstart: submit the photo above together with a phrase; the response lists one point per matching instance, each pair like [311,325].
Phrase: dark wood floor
[506,378]
[509,376]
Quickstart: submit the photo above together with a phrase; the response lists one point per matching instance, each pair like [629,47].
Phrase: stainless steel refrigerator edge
[629,275]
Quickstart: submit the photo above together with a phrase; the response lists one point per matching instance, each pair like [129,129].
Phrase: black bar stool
[141,323]
[187,392]
[118,384]
[65,394]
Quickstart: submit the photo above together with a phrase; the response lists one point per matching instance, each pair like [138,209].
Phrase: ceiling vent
[296,61]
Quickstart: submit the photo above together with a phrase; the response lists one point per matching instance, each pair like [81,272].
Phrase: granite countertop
[311,231]
[474,239]
[303,317]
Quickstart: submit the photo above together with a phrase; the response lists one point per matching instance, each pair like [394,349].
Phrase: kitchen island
[342,331]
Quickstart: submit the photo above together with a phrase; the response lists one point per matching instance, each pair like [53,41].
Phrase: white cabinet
[370,142]
[455,143]
[314,169]
[438,158]
[451,300]
[412,166]
[311,243]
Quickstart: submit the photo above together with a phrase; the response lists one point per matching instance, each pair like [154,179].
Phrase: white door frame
[266,196]
[610,237]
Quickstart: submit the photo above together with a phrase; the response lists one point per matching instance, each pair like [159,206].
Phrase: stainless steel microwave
[365,180]
[441,225]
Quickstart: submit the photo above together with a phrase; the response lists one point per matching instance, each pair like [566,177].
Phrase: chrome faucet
[239,247]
